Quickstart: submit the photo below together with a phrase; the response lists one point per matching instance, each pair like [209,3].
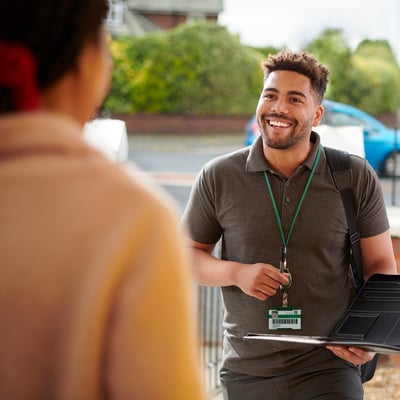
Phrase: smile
[279,124]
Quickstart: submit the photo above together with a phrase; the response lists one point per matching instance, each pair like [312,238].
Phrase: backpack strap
[339,163]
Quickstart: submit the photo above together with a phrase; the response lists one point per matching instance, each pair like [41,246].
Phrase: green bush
[378,77]
[202,69]
[368,78]
[193,69]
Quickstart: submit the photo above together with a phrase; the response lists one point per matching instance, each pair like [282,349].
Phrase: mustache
[277,116]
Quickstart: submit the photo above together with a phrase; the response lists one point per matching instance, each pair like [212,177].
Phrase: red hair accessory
[18,74]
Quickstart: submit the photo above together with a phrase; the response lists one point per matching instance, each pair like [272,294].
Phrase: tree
[368,78]
[378,86]
[131,57]
[265,51]
[200,68]
[331,49]
[197,68]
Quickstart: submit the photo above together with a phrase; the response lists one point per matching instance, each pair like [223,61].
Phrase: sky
[293,23]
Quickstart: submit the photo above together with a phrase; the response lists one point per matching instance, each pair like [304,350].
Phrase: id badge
[284,318]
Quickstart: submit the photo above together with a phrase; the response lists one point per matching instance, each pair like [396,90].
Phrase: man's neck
[287,161]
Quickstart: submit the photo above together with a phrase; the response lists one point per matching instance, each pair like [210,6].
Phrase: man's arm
[377,258]
[377,255]
[258,280]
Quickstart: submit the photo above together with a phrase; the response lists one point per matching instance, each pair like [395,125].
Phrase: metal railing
[211,314]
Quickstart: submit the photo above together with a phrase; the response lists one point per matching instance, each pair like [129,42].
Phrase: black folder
[372,322]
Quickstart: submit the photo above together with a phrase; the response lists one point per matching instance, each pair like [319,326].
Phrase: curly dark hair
[303,63]
[55,32]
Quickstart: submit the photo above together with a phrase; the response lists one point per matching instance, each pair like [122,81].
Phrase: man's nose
[279,106]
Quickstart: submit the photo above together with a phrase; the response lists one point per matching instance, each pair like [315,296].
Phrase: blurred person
[284,244]
[95,295]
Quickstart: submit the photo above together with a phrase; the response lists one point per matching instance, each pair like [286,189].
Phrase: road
[173,161]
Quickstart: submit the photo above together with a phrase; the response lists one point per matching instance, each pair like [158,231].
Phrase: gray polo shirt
[230,201]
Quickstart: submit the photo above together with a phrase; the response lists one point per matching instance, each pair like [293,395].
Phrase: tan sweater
[95,292]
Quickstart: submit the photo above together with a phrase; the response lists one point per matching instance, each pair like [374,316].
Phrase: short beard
[290,142]
[302,133]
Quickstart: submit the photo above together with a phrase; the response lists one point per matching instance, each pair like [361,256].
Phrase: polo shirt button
[287,199]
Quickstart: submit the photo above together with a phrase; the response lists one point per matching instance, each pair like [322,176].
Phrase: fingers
[265,292]
[353,355]
[261,280]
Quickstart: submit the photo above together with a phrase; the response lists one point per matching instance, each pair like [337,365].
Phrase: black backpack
[339,163]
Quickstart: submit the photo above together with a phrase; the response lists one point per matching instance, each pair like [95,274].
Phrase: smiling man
[285,255]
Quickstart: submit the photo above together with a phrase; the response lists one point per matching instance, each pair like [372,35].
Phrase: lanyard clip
[283,263]
[284,269]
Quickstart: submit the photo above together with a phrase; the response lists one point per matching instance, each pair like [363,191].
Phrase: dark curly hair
[303,63]
[55,31]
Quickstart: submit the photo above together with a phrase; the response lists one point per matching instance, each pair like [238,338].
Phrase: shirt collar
[40,131]
[256,161]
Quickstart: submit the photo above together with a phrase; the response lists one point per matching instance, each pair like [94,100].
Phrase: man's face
[287,110]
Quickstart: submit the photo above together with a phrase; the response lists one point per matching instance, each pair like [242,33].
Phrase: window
[115,15]
[192,17]
[334,118]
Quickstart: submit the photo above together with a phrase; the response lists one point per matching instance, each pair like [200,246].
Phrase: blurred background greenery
[199,68]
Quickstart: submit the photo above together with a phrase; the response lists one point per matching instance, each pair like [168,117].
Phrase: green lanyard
[278,218]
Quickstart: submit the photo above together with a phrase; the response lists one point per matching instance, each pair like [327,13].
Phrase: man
[275,207]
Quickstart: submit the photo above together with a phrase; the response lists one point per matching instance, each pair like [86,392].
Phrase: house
[138,17]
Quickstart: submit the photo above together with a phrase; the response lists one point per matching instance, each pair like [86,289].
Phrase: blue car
[381,144]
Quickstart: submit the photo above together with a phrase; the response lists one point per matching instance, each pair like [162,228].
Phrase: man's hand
[260,280]
[353,355]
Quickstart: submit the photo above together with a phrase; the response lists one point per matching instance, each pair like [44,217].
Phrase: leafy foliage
[200,68]
[193,69]
[379,77]
[331,49]
[368,78]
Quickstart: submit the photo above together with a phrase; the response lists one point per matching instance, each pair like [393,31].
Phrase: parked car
[381,143]
[109,136]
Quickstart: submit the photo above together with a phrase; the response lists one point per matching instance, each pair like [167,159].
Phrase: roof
[179,6]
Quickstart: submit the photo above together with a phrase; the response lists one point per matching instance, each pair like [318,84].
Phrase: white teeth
[279,124]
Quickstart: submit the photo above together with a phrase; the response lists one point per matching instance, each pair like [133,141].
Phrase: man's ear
[319,112]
